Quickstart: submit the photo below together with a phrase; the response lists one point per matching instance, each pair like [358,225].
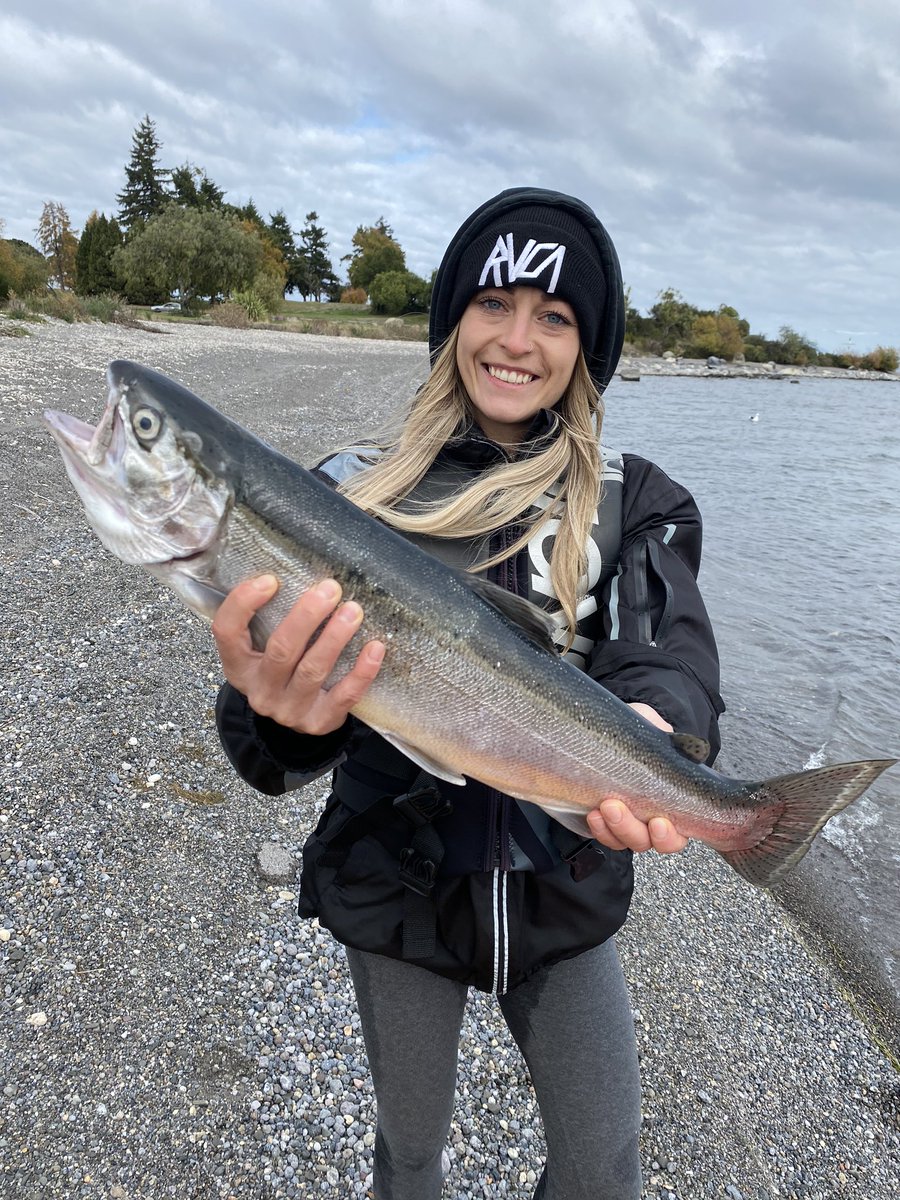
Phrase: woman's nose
[517,335]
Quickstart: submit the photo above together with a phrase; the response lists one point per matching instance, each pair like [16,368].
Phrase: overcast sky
[743,154]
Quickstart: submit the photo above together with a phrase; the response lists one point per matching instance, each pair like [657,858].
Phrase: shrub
[882,358]
[354,296]
[252,303]
[230,314]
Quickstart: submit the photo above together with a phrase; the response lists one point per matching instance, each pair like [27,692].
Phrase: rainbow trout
[471,684]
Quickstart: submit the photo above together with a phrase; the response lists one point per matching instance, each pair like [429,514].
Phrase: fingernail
[613,813]
[658,828]
[265,583]
[329,590]
[376,651]
[351,613]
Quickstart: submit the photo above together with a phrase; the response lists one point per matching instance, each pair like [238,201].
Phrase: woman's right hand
[285,681]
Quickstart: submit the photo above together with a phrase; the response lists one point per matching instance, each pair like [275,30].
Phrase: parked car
[171,306]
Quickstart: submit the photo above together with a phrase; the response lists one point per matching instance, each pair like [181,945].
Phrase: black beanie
[542,239]
[538,246]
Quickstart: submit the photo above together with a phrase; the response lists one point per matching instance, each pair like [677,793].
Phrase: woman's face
[516,351]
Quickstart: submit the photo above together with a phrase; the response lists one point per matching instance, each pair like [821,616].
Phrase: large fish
[470,685]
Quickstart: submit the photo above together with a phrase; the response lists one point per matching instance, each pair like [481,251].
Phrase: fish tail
[807,800]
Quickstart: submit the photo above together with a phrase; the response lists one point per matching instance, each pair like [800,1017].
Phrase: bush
[252,303]
[354,296]
[230,314]
[882,358]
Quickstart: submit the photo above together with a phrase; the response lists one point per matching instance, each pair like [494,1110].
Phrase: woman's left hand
[613,825]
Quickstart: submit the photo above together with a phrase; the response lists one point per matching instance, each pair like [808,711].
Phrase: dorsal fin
[537,625]
[690,746]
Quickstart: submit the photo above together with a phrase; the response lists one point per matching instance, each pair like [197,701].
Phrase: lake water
[801,574]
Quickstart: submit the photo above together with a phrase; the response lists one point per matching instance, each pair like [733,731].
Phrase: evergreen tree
[145,192]
[83,282]
[314,255]
[281,234]
[192,188]
[94,270]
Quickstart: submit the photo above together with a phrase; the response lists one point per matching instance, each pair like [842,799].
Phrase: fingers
[286,680]
[613,825]
[230,626]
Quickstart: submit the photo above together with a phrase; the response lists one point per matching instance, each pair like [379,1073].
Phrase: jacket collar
[473,448]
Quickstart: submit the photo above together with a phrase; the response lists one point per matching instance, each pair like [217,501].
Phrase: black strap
[419,865]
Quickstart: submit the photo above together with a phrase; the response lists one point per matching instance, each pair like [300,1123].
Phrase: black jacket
[502,880]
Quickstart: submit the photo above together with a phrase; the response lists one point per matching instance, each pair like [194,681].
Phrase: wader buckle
[421,806]
[583,860]
[417,872]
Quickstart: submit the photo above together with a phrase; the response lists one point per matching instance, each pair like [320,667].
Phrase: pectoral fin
[422,760]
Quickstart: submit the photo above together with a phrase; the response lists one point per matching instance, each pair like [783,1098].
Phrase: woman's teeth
[510,376]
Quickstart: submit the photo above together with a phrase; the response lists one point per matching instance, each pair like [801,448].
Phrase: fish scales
[170,483]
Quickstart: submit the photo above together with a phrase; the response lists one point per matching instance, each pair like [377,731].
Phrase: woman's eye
[557,318]
[491,303]
[147,424]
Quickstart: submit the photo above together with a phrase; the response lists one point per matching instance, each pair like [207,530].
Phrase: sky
[743,154]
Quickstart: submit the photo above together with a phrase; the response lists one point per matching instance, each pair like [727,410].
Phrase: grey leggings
[573,1024]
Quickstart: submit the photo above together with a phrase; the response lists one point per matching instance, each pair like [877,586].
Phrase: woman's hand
[285,681]
[613,825]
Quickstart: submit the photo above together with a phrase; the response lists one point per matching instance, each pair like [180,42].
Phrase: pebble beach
[170,1028]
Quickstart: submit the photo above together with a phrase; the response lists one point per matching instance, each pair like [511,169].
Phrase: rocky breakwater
[632,367]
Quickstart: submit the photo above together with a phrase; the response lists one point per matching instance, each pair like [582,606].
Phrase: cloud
[746,157]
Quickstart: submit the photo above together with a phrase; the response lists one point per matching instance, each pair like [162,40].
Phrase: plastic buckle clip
[423,806]
[584,860]
[417,872]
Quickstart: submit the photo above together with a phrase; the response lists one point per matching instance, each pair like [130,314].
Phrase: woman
[432,887]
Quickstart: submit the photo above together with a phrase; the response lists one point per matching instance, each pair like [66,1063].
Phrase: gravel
[171,1029]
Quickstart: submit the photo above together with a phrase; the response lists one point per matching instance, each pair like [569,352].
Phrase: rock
[669,355]
[274,864]
[630,376]
[715,361]
[394,323]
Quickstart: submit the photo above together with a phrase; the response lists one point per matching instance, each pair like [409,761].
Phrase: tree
[314,257]
[717,333]
[672,319]
[58,242]
[145,192]
[396,292]
[279,230]
[193,188]
[375,251]
[94,269]
[191,252]
[793,348]
[23,269]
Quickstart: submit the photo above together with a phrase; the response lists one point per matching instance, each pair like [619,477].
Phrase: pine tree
[314,255]
[193,188]
[145,192]
[83,282]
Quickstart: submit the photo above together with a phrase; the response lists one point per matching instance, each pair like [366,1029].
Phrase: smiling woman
[436,883]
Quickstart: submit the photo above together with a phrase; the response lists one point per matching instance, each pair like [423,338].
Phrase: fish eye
[147,424]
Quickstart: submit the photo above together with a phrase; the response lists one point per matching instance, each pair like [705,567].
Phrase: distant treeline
[673,324]
[175,234]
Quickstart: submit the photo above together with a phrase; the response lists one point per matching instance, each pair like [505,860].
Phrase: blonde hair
[571,465]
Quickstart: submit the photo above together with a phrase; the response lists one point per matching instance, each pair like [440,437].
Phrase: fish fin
[422,760]
[691,746]
[203,598]
[537,625]
[807,800]
[575,821]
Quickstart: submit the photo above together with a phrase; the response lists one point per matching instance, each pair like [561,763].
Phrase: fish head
[144,474]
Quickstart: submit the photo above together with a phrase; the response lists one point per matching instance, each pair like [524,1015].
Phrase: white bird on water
[755,417]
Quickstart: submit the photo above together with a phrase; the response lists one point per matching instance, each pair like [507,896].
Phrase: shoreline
[632,366]
[172,1029]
